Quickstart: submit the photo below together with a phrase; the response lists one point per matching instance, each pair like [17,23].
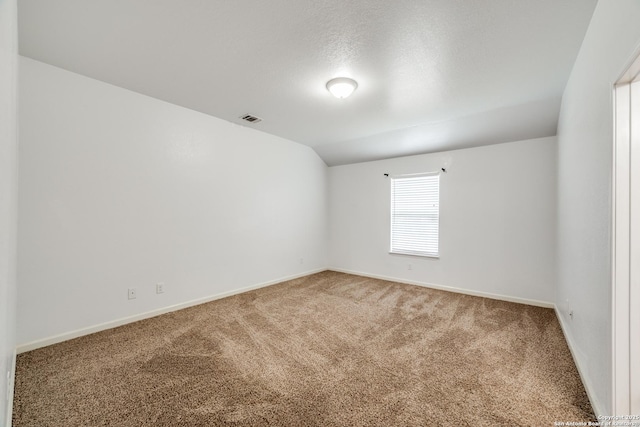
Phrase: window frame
[394,250]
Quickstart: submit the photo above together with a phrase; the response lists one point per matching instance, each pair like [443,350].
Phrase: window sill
[437,256]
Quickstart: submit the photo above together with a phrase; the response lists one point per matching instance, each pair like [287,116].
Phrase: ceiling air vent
[251,119]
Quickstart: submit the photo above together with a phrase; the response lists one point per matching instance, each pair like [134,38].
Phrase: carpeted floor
[329,349]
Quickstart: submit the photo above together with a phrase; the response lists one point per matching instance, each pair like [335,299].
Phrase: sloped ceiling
[433,74]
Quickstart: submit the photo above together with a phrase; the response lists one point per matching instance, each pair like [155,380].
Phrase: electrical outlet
[301,260]
[409,267]
[160,288]
[132,293]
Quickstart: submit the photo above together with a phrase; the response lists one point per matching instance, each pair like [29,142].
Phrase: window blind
[415,213]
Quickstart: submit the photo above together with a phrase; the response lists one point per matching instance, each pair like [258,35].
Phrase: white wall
[120,190]
[8,201]
[584,191]
[497,220]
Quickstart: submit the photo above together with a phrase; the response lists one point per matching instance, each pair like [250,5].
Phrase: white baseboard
[10,389]
[21,348]
[451,289]
[595,404]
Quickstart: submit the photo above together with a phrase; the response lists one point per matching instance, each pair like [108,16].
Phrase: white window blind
[415,212]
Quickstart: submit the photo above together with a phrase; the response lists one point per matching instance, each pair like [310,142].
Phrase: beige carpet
[329,349]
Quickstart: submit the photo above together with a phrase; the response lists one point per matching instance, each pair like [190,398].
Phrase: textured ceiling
[432,74]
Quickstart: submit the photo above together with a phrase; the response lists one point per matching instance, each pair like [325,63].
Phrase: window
[415,213]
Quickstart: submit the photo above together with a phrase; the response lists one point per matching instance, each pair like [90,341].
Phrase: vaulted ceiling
[432,74]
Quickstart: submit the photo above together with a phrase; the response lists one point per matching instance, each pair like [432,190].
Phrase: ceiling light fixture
[341,87]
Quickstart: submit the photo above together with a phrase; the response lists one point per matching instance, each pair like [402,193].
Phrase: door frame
[626,243]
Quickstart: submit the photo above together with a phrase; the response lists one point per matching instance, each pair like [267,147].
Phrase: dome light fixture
[341,87]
